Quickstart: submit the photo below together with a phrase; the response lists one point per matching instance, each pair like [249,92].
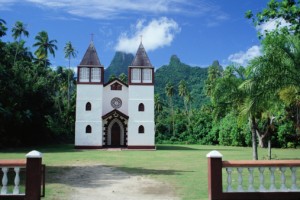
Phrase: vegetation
[118,66]
[33,96]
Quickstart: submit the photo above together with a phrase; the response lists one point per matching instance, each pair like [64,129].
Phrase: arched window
[88,129]
[141,129]
[88,106]
[141,107]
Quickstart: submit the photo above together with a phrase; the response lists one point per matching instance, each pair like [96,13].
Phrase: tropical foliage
[33,96]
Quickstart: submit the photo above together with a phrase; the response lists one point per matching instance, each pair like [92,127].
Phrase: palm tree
[18,30]
[183,92]
[169,89]
[69,52]
[44,46]
[2,27]
[158,104]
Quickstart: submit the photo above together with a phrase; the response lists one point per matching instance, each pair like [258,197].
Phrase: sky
[197,31]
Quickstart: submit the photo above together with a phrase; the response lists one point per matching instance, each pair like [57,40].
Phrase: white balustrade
[4,180]
[294,178]
[229,180]
[261,179]
[273,174]
[272,179]
[251,187]
[240,179]
[16,189]
[17,180]
[283,179]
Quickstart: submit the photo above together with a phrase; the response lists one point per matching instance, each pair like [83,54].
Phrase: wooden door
[115,134]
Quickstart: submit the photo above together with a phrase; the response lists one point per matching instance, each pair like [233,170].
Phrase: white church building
[115,114]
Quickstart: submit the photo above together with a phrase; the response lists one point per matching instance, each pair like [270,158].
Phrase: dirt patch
[94,182]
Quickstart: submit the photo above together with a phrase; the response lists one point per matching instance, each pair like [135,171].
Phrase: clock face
[116,102]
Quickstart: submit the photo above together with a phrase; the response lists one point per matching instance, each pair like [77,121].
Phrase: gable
[115,84]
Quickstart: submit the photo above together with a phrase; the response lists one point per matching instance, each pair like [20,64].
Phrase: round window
[116,103]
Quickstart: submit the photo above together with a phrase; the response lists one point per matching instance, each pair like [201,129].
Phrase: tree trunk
[254,144]
[261,140]
[269,149]
[172,115]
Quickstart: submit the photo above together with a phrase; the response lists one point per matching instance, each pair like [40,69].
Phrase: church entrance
[115,129]
[115,135]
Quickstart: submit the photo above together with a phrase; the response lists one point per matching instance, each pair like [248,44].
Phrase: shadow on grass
[175,147]
[95,176]
[191,148]
[44,149]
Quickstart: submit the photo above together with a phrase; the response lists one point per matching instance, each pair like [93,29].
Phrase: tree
[123,77]
[169,90]
[44,46]
[18,30]
[3,28]
[158,104]
[184,93]
[69,52]
[281,11]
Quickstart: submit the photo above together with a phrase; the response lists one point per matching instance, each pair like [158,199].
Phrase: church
[115,114]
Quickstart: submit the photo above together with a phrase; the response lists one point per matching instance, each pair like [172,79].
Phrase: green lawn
[183,166]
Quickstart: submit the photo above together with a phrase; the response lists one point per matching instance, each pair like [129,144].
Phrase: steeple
[141,58]
[90,70]
[141,71]
[90,57]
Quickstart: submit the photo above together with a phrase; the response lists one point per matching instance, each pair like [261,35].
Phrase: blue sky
[197,31]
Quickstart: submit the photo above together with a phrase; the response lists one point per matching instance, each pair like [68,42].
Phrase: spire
[141,58]
[90,57]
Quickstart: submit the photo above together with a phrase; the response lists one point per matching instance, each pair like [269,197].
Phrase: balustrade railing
[11,175]
[14,167]
[275,179]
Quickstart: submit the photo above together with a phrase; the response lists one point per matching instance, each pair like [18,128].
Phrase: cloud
[6,4]
[116,9]
[243,58]
[156,34]
[272,25]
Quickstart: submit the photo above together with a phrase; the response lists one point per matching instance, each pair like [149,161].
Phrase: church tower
[88,125]
[141,133]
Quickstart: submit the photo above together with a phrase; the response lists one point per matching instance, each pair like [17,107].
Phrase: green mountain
[176,71]
[118,65]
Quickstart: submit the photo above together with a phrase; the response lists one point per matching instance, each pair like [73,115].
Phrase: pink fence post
[33,175]
[214,175]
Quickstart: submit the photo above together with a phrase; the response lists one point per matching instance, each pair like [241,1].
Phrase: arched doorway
[115,129]
[115,135]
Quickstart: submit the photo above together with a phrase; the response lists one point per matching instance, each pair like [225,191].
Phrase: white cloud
[112,9]
[156,34]
[272,25]
[115,8]
[6,4]
[243,58]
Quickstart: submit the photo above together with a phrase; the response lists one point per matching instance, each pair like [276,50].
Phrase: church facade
[115,114]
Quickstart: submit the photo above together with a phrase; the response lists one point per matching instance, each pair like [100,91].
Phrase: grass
[183,166]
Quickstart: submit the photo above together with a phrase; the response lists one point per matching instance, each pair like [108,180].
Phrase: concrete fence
[34,177]
[252,180]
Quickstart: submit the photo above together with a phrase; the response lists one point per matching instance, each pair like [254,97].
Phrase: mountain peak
[174,60]
[118,65]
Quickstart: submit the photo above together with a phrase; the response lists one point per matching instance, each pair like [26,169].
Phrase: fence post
[33,175]
[214,175]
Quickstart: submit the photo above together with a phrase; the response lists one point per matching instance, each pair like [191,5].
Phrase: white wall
[88,139]
[110,94]
[93,94]
[141,94]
